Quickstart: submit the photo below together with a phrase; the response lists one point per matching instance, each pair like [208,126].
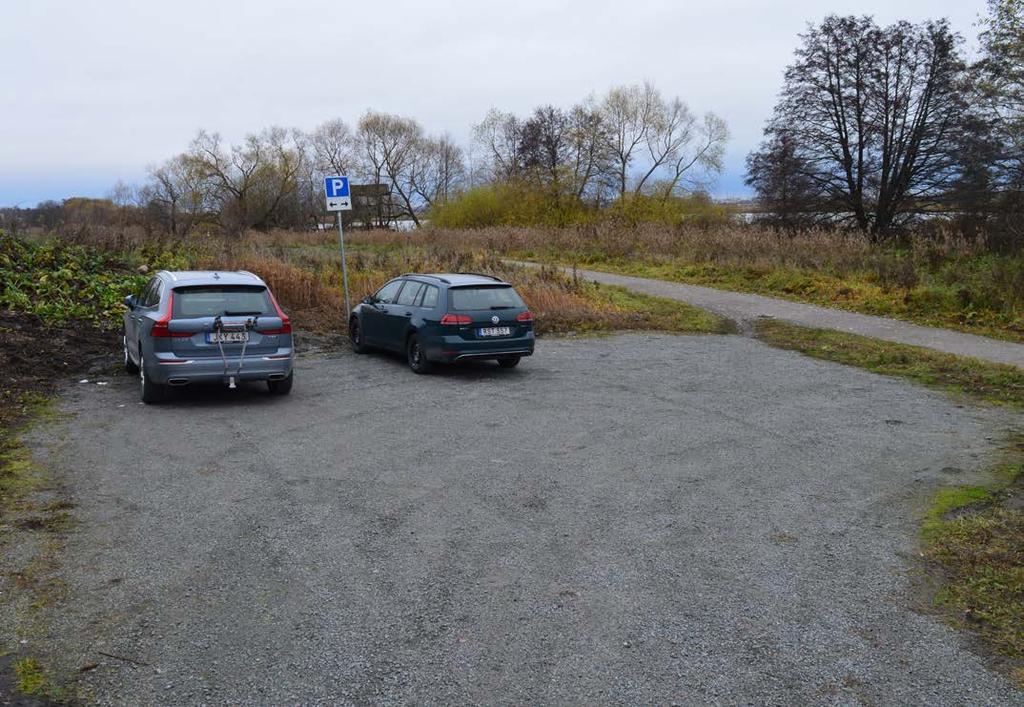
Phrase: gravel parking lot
[634,519]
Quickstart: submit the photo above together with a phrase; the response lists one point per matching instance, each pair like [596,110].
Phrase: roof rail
[480,274]
[174,278]
[252,275]
[436,277]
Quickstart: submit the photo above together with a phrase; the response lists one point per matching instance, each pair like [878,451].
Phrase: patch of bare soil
[35,358]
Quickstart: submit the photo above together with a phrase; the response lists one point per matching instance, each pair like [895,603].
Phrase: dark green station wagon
[445,318]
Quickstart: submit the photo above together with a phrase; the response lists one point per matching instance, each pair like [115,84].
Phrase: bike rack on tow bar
[247,326]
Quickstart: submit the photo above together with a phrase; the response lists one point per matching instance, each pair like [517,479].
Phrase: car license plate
[495,331]
[227,337]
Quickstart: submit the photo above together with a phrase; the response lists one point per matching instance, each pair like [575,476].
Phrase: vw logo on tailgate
[495,320]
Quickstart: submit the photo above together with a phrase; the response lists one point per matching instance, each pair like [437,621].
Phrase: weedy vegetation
[933,276]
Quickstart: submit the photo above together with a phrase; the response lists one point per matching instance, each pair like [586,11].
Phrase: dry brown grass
[305,275]
[731,244]
[936,278]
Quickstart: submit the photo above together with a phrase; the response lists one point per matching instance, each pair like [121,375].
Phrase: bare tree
[439,170]
[630,114]
[685,149]
[176,194]
[1000,74]
[662,140]
[588,154]
[779,176]
[874,117]
[498,138]
[333,147]
[251,182]
[544,146]
[391,144]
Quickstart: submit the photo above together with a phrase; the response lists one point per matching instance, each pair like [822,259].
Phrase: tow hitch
[218,326]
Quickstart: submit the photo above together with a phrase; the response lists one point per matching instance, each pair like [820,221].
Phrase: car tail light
[160,329]
[524,317]
[456,319]
[286,323]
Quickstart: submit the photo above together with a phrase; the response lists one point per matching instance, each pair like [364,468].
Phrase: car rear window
[220,300]
[485,297]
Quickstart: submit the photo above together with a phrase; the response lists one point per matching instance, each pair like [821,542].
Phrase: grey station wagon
[445,318]
[199,326]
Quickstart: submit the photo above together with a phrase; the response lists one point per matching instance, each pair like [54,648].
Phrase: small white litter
[102,383]
[84,380]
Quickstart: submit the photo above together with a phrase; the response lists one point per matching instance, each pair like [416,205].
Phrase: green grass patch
[31,678]
[976,536]
[979,380]
[950,500]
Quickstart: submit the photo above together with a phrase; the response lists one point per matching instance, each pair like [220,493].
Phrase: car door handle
[408,314]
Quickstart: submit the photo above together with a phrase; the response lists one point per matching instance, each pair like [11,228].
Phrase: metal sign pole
[344,267]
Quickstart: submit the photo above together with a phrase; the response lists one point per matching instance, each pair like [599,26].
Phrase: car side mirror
[131,301]
[370,300]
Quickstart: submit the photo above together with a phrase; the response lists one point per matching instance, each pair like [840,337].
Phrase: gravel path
[742,307]
[642,519]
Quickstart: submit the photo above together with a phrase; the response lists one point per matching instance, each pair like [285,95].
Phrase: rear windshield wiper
[230,313]
[503,306]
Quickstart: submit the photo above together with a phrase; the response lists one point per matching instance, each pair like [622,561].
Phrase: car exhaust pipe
[177,381]
[276,377]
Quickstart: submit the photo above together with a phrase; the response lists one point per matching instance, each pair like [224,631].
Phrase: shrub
[509,204]
[696,209]
[524,205]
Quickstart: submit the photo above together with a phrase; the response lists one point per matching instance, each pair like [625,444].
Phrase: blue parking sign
[335,187]
[337,193]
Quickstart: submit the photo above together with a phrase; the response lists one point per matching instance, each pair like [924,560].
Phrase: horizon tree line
[875,128]
[631,140]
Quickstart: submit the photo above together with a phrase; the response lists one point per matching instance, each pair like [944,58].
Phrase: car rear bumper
[169,369]
[449,349]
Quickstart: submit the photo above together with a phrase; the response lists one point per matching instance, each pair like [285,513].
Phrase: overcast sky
[96,91]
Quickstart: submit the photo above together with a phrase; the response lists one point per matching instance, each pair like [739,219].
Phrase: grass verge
[975,536]
[978,380]
[613,308]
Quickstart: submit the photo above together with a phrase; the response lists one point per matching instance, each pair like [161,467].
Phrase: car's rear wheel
[281,387]
[509,361]
[151,392]
[417,358]
[355,336]
[129,364]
